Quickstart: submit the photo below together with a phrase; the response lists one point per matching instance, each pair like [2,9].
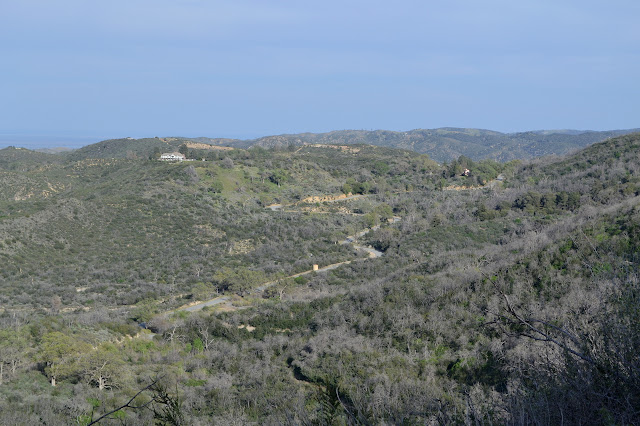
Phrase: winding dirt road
[372,254]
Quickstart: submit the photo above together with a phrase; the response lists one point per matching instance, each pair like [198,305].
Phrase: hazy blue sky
[86,69]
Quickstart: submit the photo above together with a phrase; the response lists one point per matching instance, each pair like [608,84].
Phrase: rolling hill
[442,145]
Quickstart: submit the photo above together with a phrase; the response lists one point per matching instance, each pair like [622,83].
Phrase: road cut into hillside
[371,252]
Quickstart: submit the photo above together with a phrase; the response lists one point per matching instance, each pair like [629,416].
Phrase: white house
[172,156]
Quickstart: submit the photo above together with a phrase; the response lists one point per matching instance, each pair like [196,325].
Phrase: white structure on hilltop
[172,156]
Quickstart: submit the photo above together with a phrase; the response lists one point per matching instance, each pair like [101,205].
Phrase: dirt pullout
[326,198]
[192,145]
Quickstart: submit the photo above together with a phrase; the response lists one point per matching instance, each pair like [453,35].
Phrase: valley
[472,291]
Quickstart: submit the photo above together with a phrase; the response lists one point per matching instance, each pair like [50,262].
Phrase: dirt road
[372,254]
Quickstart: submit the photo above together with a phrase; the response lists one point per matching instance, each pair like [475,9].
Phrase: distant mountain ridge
[442,144]
[448,143]
[54,150]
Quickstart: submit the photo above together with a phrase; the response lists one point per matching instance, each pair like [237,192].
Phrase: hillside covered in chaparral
[448,276]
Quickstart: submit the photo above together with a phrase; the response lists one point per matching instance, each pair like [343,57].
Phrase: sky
[74,72]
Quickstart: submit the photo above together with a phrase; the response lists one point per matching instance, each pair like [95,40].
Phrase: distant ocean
[38,141]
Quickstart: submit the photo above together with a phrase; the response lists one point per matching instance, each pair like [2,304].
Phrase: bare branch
[546,337]
[128,403]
